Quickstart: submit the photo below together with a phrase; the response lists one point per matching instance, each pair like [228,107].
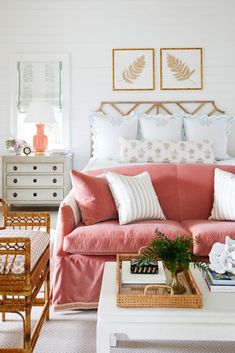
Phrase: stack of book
[217,282]
[58,152]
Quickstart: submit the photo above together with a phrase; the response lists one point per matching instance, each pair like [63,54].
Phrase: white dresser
[36,180]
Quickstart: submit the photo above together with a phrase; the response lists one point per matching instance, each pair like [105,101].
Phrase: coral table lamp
[40,113]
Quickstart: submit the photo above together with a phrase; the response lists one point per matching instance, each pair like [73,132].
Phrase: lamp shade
[40,112]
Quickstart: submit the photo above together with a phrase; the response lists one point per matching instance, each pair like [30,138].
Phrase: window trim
[64,58]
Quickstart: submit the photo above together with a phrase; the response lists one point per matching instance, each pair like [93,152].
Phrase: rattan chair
[19,291]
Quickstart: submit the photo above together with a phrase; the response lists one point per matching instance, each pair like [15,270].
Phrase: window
[41,77]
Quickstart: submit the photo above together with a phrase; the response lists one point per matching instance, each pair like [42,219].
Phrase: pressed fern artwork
[180,70]
[134,70]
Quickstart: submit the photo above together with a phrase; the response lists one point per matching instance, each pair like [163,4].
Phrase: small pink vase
[40,140]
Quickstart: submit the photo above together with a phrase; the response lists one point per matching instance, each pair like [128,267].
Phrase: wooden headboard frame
[165,107]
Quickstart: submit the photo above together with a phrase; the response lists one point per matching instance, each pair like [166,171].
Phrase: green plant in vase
[176,255]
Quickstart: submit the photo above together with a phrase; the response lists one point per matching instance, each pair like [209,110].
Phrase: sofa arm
[70,201]
[69,216]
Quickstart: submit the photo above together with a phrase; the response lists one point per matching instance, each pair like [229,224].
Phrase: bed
[96,163]
[124,108]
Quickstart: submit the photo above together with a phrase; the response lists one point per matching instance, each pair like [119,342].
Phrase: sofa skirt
[77,281]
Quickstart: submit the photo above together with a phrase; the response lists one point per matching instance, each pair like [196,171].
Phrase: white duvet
[95,163]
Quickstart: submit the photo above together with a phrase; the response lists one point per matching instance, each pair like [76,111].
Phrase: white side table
[214,322]
[36,179]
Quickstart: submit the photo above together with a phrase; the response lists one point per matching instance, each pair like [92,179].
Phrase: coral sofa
[185,192]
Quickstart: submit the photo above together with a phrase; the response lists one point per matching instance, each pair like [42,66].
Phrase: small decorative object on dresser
[36,180]
[27,150]
[15,144]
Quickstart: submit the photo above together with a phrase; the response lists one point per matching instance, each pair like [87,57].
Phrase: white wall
[89,29]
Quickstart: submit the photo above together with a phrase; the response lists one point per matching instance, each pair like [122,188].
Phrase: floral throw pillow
[149,151]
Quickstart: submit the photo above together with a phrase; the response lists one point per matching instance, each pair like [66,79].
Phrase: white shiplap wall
[89,29]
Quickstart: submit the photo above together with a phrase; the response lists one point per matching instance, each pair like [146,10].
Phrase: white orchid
[222,256]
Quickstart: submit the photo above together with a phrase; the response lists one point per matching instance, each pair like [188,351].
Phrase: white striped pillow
[224,196]
[134,196]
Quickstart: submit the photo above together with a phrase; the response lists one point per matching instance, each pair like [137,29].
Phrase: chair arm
[25,220]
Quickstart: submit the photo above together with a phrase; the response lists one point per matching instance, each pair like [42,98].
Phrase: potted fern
[176,255]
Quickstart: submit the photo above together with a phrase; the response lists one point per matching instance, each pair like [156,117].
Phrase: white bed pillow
[215,128]
[106,131]
[134,196]
[161,127]
[224,196]
[158,151]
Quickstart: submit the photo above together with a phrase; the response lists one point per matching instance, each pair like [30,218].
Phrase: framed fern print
[133,69]
[181,68]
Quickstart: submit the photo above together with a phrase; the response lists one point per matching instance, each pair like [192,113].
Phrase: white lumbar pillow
[224,196]
[134,196]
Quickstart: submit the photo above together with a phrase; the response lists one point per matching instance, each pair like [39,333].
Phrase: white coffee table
[214,322]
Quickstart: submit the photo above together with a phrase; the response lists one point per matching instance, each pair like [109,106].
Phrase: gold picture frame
[133,69]
[181,69]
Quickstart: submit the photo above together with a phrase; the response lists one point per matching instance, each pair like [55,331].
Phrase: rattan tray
[156,296]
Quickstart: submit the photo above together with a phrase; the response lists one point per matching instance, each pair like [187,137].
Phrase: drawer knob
[15,167]
[15,181]
[54,194]
[15,194]
[34,180]
[35,167]
[54,167]
[35,194]
[54,180]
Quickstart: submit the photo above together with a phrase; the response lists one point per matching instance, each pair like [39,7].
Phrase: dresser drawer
[35,180]
[35,168]
[35,194]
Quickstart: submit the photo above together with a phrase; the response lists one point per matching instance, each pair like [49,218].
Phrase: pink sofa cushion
[205,233]
[93,197]
[111,238]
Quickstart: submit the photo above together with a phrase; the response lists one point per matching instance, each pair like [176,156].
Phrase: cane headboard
[123,108]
